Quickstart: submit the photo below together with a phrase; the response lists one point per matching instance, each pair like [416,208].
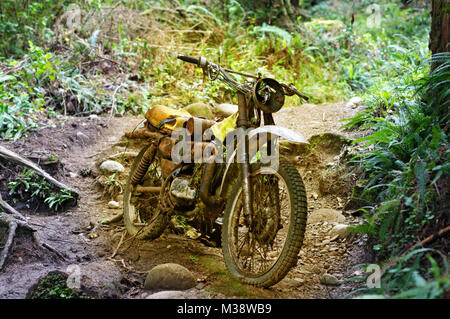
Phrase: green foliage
[54,286]
[415,275]
[407,162]
[29,184]
[41,84]
[23,21]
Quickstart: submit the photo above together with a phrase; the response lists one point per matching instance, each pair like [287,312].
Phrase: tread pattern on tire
[289,255]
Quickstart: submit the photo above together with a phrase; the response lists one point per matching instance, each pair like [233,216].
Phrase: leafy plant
[57,200]
[406,163]
[30,185]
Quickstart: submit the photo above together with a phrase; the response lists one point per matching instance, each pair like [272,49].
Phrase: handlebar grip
[189,59]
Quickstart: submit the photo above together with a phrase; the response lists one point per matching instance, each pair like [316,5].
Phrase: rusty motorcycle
[256,207]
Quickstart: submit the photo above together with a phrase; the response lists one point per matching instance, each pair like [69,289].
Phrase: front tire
[261,249]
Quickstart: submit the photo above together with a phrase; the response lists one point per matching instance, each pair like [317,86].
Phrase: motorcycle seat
[166,119]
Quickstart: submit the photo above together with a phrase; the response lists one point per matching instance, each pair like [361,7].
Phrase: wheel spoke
[255,245]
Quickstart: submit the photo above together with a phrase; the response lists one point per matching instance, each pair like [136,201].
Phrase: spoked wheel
[141,210]
[261,249]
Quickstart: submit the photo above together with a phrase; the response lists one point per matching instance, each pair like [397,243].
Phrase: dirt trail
[79,234]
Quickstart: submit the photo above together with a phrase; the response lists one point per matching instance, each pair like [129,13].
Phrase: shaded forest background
[86,57]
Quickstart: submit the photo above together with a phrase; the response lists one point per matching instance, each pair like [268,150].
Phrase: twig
[113,106]
[47,246]
[430,238]
[118,246]
[129,154]
[127,267]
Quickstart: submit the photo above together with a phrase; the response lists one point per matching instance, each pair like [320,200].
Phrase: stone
[169,294]
[103,278]
[112,167]
[200,110]
[113,204]
[326,214]
[192,234]
[169,276]
[356,100]
[328,279]
[226,109]
[340,230]
[83,138]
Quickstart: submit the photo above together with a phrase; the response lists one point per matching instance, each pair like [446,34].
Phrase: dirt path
[89,245]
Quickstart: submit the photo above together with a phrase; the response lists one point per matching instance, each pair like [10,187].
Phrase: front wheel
[262,248]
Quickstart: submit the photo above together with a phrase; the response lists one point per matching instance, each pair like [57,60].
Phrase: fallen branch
[430,238]
[118,246]
[123,154]
[11,209]
[16,158]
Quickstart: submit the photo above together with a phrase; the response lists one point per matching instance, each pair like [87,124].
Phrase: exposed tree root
[13,219]
[8,244]
[16,158]
[114,219]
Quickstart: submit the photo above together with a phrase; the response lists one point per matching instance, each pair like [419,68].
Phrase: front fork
[243,155]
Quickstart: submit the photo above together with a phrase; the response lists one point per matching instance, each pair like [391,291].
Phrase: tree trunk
[440,27]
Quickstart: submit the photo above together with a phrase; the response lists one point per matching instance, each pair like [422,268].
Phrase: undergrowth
[122,56]
[406,161]
[29,187]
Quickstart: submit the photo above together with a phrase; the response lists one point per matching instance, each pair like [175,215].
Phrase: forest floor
[92,246]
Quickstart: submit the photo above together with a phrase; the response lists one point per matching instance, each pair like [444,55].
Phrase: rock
[200,110]
[84,171]
[169,277]
[340,230]
[325,214]
[192,234]
[226,109]
[171,294]
[356,100]
[103,278]
[328,279]
[294,282]
[112,167]
[113,204]
[93,117]
[81,137]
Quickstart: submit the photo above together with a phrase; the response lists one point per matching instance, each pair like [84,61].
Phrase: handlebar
[189,59]
[215,70]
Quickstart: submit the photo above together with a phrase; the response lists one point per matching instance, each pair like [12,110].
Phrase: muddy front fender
[275,131]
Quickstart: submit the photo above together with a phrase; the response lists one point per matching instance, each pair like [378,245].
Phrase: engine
[182,194]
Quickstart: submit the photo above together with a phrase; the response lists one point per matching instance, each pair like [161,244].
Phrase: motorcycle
[226,177]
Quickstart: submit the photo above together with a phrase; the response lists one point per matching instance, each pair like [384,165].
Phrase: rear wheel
[141,211]
[261,249]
